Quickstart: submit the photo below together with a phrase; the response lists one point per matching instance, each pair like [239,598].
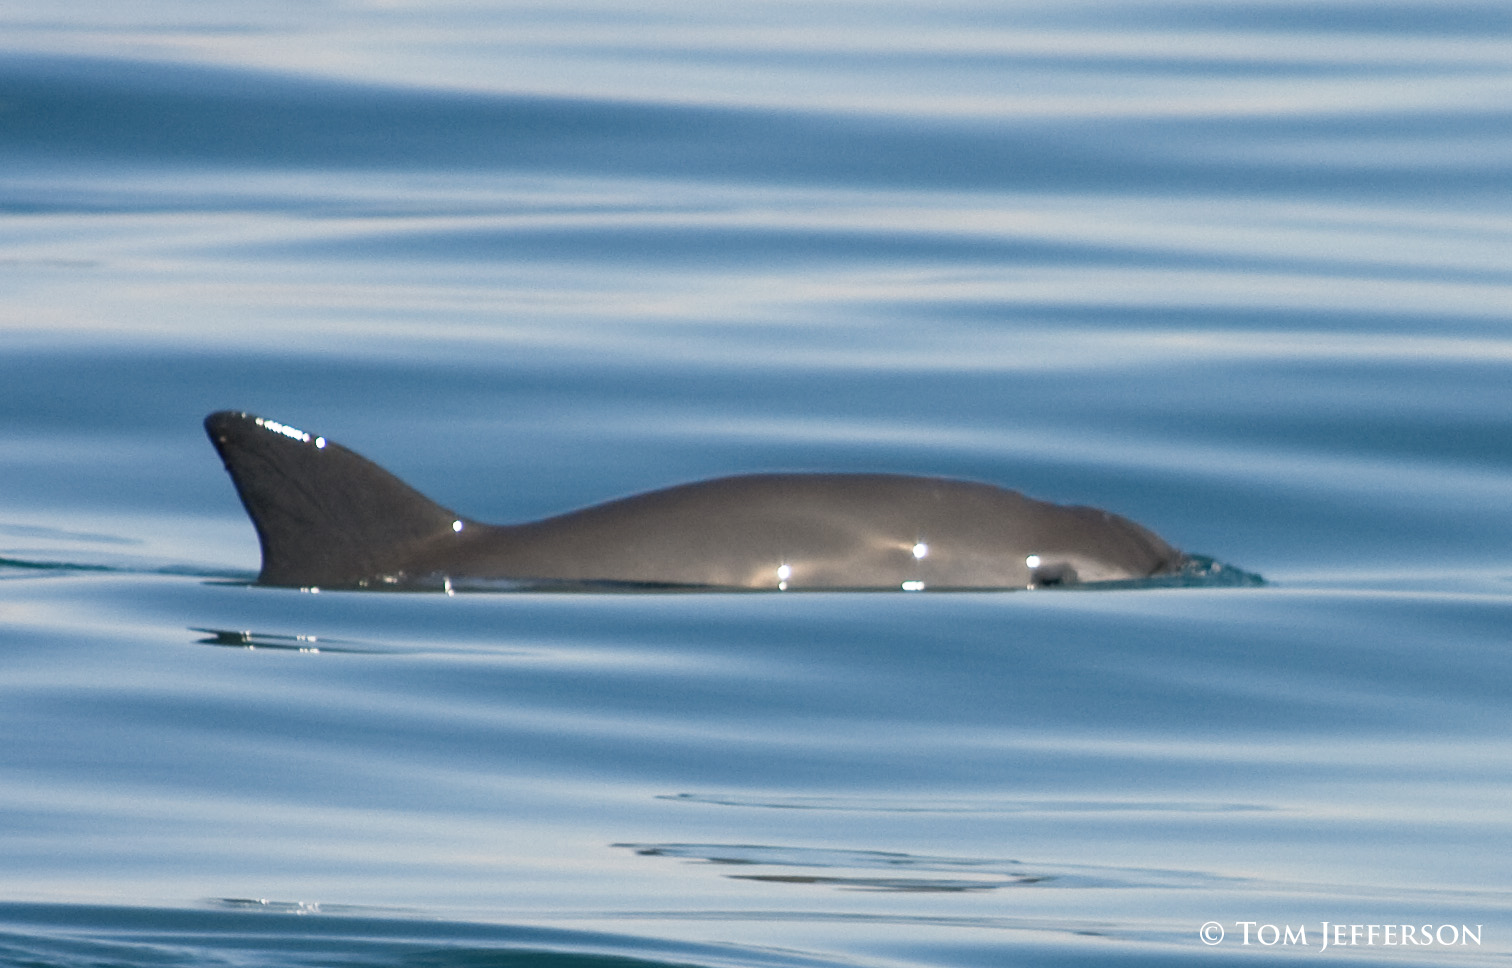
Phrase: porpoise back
[328,517]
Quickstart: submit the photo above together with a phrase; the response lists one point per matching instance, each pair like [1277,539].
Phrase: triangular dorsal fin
[325,516]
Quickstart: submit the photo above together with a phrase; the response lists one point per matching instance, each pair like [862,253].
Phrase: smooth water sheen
[1240,272]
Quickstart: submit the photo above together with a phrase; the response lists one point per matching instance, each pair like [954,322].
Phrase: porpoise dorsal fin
[324,515]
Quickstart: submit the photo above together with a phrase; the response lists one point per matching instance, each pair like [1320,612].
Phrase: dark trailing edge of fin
[324,515]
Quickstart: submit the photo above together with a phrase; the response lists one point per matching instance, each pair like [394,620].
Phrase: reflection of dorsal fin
[324,515]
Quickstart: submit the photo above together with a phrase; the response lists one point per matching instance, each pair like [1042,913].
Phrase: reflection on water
[968,874]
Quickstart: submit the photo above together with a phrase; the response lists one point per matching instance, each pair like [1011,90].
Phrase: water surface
[1238,272]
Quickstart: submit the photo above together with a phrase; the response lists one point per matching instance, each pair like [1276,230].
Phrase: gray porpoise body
[328,517]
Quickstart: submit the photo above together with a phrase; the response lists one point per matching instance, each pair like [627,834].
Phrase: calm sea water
[1240,271]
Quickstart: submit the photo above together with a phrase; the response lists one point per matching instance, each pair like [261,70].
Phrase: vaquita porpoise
[329,518]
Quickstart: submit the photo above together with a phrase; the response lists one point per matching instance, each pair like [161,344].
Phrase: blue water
[1241,272]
